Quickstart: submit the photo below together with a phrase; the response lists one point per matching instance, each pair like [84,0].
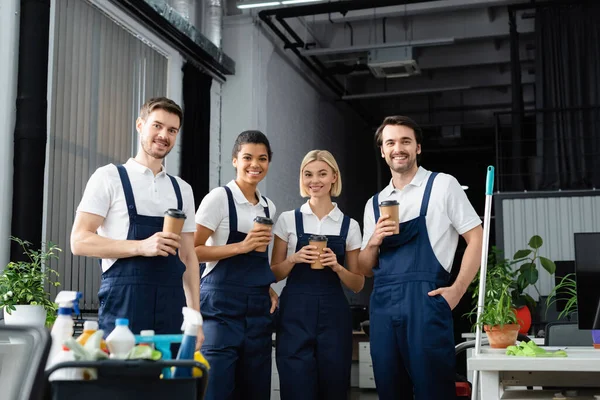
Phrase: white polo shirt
[213,213]
[153,195]
[449,214]
[331,224]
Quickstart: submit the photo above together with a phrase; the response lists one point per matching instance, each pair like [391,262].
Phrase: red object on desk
[523,319]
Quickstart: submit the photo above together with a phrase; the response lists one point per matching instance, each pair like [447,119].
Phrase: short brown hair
[398,120]
[161,103]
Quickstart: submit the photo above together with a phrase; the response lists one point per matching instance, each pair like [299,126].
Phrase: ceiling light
[298,1]
[464,187]
[255,4]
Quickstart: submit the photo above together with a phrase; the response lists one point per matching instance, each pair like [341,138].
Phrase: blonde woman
[314,333]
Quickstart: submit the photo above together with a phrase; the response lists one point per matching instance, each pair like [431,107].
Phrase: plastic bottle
[121,339]
[192,320]
[149,333]
[65,374]
[89,327]
[68,302]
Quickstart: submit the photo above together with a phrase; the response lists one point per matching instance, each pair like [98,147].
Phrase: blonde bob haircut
[326,157]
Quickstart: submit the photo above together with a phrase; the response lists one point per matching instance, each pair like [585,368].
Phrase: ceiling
[457,51]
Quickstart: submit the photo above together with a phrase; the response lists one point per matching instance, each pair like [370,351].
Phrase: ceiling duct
[396,62]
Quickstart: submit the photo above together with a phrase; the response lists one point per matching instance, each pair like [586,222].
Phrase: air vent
[396,62]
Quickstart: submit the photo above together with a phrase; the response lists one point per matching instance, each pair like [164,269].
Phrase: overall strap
[177,192]
[345,227]
[376,207]
[267,213]
[233,220]
[299,223]
[427,195]
[128,191]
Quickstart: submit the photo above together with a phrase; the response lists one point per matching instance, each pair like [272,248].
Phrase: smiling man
[147,275]
[411,330]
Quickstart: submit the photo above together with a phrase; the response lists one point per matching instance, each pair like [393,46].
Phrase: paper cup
[320,242]
[173,221]
[391,208]
[266,223]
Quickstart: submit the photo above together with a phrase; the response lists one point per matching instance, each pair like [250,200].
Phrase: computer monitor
[587,269]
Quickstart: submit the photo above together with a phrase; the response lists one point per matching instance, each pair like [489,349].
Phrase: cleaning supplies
[192,320]
[148,333]
[66,374]
[68,302]
[197,372]
[121,340]
[89,327]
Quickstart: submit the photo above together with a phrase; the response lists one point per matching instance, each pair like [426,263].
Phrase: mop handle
[489,189]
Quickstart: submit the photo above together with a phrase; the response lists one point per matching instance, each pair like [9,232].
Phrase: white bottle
[65,374]
[68,302]
[121,339]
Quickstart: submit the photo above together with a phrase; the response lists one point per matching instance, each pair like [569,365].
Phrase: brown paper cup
[263,222]
[174,220]
[393,210]
[320,242]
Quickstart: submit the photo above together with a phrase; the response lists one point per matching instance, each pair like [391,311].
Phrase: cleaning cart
[128,380]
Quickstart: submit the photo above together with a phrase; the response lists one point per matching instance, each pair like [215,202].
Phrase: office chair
[567,334]
[23,355]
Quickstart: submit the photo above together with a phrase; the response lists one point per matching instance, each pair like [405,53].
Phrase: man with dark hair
[411,329]
[147,275]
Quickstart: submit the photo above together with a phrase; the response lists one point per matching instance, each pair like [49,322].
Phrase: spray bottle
[192,320]
[68,302]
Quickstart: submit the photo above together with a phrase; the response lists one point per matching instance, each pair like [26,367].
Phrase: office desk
[498,372]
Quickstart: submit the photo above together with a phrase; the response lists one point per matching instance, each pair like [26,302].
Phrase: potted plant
[527,275]
[23,295]
[498,318]
[499,321]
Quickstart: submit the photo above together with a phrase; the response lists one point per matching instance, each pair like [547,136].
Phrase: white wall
[269,93]
[9,54]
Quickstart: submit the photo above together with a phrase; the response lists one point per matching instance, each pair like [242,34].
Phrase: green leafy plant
[23,282]
[499,275]
[527,273]
[498,312]
[503,277]
[566,289]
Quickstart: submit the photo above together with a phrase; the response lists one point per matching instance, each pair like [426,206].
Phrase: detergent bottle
[121,340]
[192,320]
[68,302]
[89,327]
[66,374]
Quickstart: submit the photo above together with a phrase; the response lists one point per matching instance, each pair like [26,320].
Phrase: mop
[489,189]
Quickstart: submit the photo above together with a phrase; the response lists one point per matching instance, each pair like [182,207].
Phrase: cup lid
[175,213]
[317,238]
[387,203]
[263,220]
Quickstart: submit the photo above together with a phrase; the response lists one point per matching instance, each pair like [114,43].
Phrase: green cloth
[530,349]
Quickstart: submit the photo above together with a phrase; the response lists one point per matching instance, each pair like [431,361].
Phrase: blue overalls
[412,337]
[235,305]
[146,290]
[314,331]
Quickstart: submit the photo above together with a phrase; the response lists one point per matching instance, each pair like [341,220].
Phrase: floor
[363,394]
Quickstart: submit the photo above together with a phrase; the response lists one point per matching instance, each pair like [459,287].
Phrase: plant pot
[502,337]
[523,319]
[26,315]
